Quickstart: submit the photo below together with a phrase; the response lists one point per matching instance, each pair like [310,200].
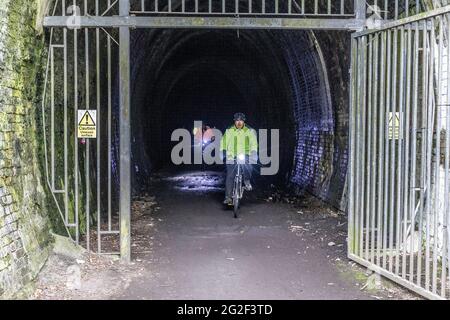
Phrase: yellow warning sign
[394,125]
[87,124]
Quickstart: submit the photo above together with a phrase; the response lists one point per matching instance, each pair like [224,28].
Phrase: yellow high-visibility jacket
[239,141]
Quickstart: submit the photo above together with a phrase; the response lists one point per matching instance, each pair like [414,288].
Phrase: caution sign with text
[87,124]
[394,125]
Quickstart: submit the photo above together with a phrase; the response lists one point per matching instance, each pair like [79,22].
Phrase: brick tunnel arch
[279,78]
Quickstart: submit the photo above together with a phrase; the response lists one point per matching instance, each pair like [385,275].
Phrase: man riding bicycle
[239,140]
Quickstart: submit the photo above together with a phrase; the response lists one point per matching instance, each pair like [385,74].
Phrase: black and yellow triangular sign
[394,125]
[87,124]
[87,120]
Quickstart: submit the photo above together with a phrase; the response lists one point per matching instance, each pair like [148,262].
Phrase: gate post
[125,137]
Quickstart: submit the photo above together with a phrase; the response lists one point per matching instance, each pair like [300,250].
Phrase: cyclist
[238,140]
[203,135]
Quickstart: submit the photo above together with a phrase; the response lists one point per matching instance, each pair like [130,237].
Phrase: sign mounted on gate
[394,125]
[87,124]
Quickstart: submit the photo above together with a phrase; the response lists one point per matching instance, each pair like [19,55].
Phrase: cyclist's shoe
[247,185]
[228,201]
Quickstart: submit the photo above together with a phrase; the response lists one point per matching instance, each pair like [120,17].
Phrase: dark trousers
[231,173]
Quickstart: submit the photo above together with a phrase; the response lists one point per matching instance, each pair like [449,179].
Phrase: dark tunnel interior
[286,80]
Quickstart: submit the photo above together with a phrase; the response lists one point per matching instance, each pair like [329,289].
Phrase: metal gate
[399,152]
[83,173]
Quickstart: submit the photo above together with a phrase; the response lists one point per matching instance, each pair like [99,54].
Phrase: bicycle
[238,189]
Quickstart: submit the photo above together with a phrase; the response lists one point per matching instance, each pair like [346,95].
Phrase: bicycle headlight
[241,157]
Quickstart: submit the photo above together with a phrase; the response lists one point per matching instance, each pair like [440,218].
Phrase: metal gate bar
[399,152]
[285,14]
[249,14]
[125,135]
[384,9]
[395,9]
[312,8]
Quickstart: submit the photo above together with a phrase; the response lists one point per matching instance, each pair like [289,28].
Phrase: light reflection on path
[198,181]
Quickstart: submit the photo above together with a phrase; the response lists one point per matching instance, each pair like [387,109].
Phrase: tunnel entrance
[140,82]
[278,79]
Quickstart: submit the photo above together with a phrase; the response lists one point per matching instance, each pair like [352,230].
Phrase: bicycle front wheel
[235,206]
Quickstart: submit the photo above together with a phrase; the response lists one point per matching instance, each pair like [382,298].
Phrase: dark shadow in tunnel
[201,95]
[210,76]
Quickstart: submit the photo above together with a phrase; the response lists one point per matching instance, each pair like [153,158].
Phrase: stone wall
[24,227]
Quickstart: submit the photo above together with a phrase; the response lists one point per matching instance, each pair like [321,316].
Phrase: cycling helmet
[239,116]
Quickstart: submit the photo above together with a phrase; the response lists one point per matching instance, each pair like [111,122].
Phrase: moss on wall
[24,224]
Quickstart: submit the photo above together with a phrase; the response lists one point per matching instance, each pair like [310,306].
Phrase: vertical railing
[394,9]
[323,8]
[399,152]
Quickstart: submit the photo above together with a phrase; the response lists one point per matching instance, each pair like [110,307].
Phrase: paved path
[201,252]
